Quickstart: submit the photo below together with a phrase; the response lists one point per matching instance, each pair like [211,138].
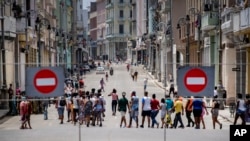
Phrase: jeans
[153,116]
[45,112]
[178,118]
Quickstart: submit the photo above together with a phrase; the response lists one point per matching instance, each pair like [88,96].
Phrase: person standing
[114,101]
[123,107]
[188,110]
[179,110]
[215,113]
[107,76]
[146,109]
[240,110]
[11,97]
[155,107]
[134,106]
[145,83]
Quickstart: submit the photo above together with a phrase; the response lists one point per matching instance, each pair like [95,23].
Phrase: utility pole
[74,33]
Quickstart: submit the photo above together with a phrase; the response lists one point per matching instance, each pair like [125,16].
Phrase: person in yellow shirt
[178,108]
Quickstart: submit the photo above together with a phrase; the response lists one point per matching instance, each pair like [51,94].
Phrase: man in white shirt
[146,109]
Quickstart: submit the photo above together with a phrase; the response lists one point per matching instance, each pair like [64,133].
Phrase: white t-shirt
[147,103]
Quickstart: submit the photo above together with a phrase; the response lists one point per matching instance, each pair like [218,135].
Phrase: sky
[86,3]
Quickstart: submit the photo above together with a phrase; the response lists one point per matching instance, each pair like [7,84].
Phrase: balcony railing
[241,20]
[209,20]
[108,20]
[110,5]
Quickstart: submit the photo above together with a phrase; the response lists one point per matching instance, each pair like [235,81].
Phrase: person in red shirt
[155,107]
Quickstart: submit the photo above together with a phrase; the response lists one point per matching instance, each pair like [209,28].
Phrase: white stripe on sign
[45,82]
[195,81]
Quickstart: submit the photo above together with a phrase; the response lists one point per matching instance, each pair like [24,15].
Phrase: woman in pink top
[114,101]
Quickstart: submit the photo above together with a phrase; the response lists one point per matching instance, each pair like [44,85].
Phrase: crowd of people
[88,108]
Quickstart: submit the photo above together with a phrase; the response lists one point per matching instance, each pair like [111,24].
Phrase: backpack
[62,102]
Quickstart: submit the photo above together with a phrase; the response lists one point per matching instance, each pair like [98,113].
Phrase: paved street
[51,130]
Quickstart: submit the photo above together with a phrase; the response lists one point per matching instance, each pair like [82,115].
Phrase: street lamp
[181,22]
[39,23]
[195,12]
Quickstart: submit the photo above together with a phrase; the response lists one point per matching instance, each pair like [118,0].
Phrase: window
[121,29]
[80,6]
[121,1]
[121,13]
[131,14]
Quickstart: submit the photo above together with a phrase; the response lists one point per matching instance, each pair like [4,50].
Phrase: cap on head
[123,93]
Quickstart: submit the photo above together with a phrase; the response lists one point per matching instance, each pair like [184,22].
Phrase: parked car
[86,68]
[100,70]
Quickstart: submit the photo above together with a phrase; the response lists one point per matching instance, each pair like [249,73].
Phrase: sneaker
[188,125]
[141,126]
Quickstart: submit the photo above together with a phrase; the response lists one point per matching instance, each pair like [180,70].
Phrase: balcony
[227,21]
[241,21]
[123,4]
[121,19]
[109,20]
[209,20]
[109,6]
[9,26]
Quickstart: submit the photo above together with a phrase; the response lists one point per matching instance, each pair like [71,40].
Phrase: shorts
[60,111]
[134,113]
[197,112]
[163,114]
[123,113]
[146,113]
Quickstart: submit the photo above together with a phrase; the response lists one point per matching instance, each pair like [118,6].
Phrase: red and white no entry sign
[195,80]
[45,81]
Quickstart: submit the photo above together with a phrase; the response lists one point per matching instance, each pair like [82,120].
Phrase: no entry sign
[44,82]
[195,81]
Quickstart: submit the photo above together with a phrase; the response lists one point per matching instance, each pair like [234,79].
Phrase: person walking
[134,106]
[45,104]
[145,83]
[240,110]
[76,104]
[171,89]
[123,107]
[23,112]
[170,104]
[155,107]
[102,83]
[88,108]
[61,103]
[163,107]
[114,101]
[146,109]
[135,75]
[107,76]
[215,113]
[197,106]
[179,110]
[188,110]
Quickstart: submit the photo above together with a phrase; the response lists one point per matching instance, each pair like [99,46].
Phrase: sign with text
[239,132]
